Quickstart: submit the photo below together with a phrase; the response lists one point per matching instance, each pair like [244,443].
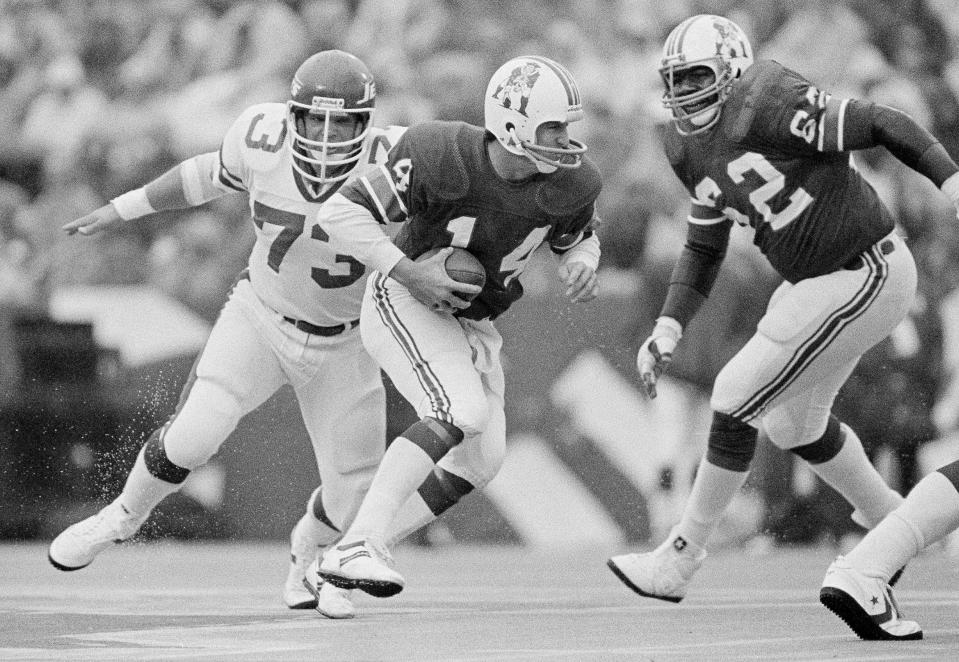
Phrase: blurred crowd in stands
[99,96]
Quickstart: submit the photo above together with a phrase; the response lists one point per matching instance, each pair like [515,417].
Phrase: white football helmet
[526,92]
[715,43]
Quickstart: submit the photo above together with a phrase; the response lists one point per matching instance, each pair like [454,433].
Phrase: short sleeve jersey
[292,266]
[775,162]
[439,180]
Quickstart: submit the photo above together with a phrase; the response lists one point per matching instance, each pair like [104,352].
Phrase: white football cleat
[362,564]
[866,604]
[78,545]
[304,549]
[331,601]
[662,573]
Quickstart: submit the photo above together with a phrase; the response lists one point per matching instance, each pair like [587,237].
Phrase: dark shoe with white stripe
[363,564]
[866,604]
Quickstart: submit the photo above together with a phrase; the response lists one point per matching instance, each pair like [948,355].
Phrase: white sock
[886,548]
[929,513]
[414,515]
[143,491]
[403,469]
[852,475]
[713,490]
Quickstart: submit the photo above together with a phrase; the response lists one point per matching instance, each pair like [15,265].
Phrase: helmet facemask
[332,97]
[702,58]
[324,159]
[695,93]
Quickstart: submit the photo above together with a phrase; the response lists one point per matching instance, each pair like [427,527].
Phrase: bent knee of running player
[202,423]
[732,435]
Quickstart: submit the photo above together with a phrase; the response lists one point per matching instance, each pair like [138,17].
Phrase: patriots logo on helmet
[728,43]
[517,86]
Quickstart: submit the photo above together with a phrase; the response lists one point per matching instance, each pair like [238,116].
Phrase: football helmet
[702,57]
[529,91]
[329,85]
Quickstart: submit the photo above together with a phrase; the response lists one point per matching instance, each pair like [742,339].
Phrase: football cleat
[78,545]
[330,601]
[662,573]
[303,551]
[304,548]
[362,564]
[865,604]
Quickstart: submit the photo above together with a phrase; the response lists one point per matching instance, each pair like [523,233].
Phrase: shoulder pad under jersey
[382,140]
[437,149]
[761,94]
[567,191]
[259,135]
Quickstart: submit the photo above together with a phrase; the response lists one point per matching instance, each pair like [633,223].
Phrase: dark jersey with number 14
[776,162]
[439,180]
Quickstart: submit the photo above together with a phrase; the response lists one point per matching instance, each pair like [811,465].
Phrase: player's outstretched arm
[103,218]
[189,184]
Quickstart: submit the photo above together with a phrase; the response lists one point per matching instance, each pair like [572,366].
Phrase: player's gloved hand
[580,280]
[101,219]
[656,352]
[951,188]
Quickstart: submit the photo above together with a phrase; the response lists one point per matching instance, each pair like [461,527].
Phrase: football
[461,265]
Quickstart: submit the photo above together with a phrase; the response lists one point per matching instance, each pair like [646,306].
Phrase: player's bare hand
[102,219]
[429,283]
[581,282]
[656,353]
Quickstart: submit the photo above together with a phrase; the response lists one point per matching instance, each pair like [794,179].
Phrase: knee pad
[157,462]
[441,490]
[732,443]
[434,436]
[826,447]
[951,471]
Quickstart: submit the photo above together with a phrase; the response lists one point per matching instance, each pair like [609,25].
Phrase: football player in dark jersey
[499,192]
[759,146]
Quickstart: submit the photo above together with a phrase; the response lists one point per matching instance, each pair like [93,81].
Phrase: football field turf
[206,601]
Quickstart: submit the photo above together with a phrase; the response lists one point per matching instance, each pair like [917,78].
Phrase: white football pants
[251,352]
[809,341]
[445,367]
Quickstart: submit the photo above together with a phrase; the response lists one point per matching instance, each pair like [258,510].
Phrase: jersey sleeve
[787,111]
[386,191]
[233,170]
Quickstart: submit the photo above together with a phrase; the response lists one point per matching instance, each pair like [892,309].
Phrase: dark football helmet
[336,89]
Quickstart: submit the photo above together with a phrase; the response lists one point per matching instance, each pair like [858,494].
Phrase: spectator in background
[65,95]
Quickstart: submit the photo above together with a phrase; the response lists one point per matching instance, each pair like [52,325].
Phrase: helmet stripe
[680,32]
[572,90]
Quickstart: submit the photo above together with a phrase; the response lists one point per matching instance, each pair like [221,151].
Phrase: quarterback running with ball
[499,192]
[759,146]
[291,318]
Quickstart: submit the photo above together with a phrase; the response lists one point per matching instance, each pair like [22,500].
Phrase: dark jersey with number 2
[440,180]
[775,162]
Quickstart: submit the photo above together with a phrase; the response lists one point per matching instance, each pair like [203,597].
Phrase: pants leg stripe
[421,368]
[821,338]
